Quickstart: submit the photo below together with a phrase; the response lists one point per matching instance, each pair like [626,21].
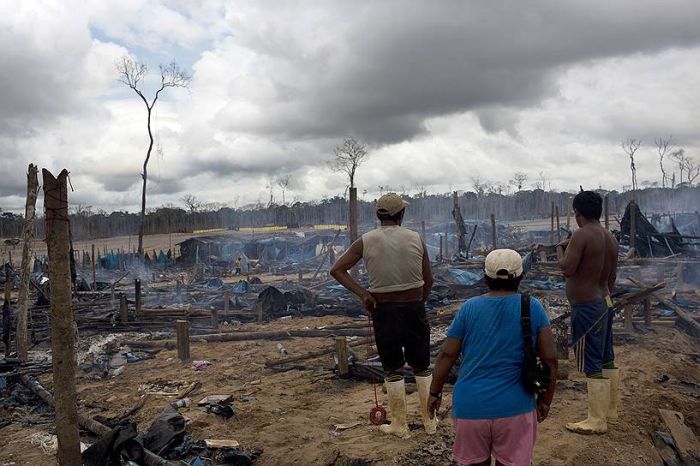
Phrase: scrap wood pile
[648,241]
[166,441]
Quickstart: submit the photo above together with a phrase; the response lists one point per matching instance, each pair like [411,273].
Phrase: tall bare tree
[283,183]
[679,157]
[348,157]
[132,73]
[631,146]
[191,202]
[519,179]
[692,168]
[663,145]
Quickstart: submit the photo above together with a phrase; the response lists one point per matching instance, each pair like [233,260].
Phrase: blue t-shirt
[489,384]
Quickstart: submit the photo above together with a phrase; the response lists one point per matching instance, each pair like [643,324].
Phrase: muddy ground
[292,416]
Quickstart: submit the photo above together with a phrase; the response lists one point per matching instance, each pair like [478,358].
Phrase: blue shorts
[589,332]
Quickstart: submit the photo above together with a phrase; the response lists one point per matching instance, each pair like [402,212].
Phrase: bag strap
[526,325]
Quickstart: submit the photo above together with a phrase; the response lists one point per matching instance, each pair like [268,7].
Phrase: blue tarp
[465,277]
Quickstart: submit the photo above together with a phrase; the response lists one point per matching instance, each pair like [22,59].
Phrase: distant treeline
[86,224]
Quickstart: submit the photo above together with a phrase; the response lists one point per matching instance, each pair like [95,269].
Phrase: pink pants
[509,439]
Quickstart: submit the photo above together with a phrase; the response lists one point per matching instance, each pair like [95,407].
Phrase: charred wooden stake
[137,298]
[27,261]
[629,308]
[123,308]
[183,340]
[92,259]
[633,228]
[605,212]
[647,311]
[493,231]
[341,349]
[62,336]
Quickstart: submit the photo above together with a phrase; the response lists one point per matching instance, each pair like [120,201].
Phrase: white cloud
[442,94]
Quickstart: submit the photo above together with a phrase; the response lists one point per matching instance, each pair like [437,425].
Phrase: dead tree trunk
[27,237]
[144,175]
[62,336]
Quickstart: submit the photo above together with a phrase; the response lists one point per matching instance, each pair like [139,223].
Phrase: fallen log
[684,321]
[314,354]
[97,428]
[245,336]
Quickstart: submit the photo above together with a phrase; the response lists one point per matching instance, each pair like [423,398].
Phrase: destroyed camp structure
[179,358]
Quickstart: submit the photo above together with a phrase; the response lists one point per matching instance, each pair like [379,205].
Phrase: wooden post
[301,274]
[633,228]
[605,212]
[494,235]
[568,214]
[551,228]
[341,349]
[62,334]
[647,311]
[447,249]
[7,310]
[558,227]
[92,258]
[422,230]
[123,308]
[629,308]
[182,328]
[22,336]
[137,296]
[440,248]
[352,220]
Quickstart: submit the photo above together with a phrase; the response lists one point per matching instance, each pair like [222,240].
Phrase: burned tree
[519,179]
[631,146]
[662,147]
[132,73]
[348,157]
[283,183]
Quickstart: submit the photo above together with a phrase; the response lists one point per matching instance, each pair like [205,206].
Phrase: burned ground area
[311,416]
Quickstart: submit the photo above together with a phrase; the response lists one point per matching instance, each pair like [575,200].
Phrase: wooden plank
[686,442]
[226,443]
[215,400]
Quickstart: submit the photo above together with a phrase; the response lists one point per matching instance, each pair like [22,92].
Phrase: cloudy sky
[442,92]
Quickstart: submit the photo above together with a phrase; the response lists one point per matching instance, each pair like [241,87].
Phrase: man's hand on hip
[369,302]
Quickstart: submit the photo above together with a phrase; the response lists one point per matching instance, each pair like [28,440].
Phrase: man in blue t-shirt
[493,412]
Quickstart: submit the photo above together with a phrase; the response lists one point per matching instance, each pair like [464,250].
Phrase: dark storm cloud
[379,69]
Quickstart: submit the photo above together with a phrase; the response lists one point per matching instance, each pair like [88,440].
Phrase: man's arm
[339,271]
[427,274]
[613,271]
[547,353]
[444,362]
[570,258]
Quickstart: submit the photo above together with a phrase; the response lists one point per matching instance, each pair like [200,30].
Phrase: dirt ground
[292,416]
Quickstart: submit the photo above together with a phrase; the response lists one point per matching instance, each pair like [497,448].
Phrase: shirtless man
[588,261]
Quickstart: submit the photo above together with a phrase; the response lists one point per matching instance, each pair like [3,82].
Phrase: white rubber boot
[397,409]
[614,376]
[598,402]
[423,385]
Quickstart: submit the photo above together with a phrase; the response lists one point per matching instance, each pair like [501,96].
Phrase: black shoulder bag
[536,373]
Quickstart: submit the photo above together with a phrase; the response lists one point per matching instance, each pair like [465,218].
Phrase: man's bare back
[583,264]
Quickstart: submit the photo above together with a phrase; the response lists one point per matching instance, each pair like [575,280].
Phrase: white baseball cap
[503,263]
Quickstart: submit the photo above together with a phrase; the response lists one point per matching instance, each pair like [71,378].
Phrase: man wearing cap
[494,415]
[400,280]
